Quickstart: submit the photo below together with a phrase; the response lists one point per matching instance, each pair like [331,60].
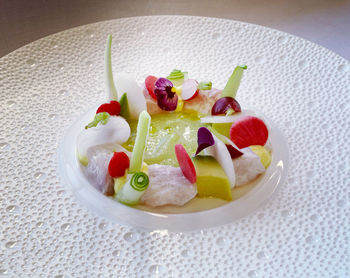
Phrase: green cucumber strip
[232,84]
[133,189]
[140,142]
[124,107]
[110,89]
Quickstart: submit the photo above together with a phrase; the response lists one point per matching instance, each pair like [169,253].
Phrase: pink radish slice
[189,89]
[186,164]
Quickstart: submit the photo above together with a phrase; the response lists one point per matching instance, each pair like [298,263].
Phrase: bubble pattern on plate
[302,87]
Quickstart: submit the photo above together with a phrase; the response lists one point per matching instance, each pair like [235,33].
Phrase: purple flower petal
[166,98]
[162,83]
[205,139]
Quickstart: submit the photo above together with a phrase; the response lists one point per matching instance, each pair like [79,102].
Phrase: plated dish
[172,142]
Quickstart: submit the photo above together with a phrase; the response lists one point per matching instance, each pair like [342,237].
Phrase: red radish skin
[189,89]
[249,131]
[149,83]
[112,108]
[118,164]
[186,164]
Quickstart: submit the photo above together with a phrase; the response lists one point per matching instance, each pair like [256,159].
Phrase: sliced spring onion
[205,85]
[140,142]
[232,84]
[110,89]
[177,77]
[133,189]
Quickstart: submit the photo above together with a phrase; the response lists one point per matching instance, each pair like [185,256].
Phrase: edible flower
[167,98]
[205,139]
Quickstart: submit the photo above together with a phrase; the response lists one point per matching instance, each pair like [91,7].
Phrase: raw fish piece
[167,186]
[203,102]
[97,169]
[247,167]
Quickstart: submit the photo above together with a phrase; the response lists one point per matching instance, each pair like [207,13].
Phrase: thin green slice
[232,84]
[140,142]
[205,85]
[177,77]
[124,107]
[110,89]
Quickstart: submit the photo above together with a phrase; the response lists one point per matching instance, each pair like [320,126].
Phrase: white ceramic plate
[303,88]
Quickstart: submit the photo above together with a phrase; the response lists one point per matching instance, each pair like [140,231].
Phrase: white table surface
[320,21]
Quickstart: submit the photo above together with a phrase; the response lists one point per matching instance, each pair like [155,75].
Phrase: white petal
[126,83]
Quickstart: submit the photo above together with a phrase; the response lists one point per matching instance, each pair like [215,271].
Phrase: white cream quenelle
[115,131]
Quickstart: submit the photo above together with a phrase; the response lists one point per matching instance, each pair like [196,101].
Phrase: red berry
[112,108]
[185,163]
[118,164]
[249,131]
[150,82]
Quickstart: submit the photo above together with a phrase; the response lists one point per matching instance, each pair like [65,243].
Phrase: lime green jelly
[167,130]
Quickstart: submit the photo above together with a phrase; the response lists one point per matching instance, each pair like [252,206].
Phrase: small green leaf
[102,118]
[124,107]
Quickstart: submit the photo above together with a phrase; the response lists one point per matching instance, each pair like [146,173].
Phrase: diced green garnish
[102,118]
[124,107]
[205,85]
[232,84]
[110,89]
[140,142]
[133,189]
[176,77]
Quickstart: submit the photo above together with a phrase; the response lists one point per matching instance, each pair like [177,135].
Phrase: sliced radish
[226,119]
[150,83]
[223,156]
[186,164]
[249,131]
[189,89]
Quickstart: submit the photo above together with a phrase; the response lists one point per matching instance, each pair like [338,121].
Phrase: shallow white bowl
[73,178]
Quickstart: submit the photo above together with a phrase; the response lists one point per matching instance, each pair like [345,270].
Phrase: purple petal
[162,83]
[205,139]
[166,98]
